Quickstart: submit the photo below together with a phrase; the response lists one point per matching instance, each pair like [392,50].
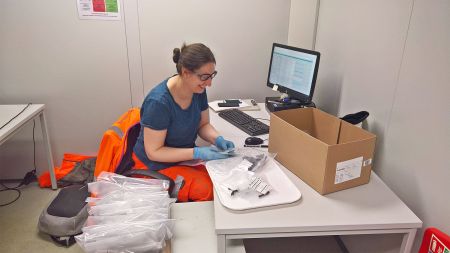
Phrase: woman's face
[201,78]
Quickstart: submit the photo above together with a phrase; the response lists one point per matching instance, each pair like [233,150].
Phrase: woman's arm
[156,151]
[206,131]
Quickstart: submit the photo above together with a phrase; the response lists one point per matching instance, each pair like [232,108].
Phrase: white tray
[283,190]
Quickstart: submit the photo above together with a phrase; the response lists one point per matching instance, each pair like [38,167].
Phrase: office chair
[126,165]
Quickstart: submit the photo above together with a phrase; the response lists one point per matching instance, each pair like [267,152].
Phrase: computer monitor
[293,71]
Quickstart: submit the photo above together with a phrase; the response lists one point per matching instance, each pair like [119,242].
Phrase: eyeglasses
[205,77]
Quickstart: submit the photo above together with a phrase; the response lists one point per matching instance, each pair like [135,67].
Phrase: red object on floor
[435,241]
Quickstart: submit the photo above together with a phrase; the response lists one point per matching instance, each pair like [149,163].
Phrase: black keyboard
[244,122]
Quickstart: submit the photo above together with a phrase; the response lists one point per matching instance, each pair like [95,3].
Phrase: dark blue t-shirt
[160,111]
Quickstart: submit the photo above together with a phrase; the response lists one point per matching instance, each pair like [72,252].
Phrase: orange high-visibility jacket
[68,163]
[111,150]
[113,144]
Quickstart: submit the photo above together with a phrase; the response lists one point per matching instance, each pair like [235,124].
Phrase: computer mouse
[253,141]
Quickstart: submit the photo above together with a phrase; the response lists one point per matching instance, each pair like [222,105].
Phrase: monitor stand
[274,104]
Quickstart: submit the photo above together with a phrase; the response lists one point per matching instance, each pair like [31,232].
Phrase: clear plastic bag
[237,181]
[102,188]
[126,237]
[256,159]
[242,174]
[117,196]
[125,207]
[108,182]
[112,229]
[127,215]
[245,182]
[144,214]
[123,180]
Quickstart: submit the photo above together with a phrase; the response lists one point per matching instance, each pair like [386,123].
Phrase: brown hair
[192,56]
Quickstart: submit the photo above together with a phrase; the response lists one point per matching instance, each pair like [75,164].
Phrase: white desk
[368,209]
[33,111]
[194,229]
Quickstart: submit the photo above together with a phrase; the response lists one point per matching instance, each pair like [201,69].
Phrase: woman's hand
[208,153]
[223,144]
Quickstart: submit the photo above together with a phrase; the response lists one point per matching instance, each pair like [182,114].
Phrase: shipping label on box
[348,170]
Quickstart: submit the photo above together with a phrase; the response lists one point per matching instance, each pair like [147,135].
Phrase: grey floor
[18,222]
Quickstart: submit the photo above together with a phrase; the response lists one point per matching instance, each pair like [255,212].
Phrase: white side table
[7,112]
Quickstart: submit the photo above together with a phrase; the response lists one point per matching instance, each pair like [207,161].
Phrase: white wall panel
[361,44]
[240,34]
[415,158]
[302,23]
[78,68]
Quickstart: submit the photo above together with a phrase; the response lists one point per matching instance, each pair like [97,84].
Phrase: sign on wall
[99,9]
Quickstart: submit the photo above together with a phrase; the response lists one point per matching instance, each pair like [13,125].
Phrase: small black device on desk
[227,104]
[274,104]
[244,122]
[230,103]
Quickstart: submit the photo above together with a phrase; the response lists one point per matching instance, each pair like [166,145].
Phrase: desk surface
[7,112]
[194,229]
[367,207]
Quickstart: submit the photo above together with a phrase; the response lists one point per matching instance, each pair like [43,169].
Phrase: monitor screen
[293,71]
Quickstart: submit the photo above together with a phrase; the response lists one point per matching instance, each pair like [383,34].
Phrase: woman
[173,114]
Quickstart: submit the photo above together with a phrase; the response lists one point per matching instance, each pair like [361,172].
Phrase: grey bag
[82,173]
[64,217]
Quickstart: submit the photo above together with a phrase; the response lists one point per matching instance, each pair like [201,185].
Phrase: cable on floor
[30,176]
[10,189]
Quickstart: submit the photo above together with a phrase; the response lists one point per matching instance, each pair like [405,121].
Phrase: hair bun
[176,55]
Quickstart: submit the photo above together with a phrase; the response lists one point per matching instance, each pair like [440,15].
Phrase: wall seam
[389,116]
[289,22]
[140,48]
[128,54]
[316,24]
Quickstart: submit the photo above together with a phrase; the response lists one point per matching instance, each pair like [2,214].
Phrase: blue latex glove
[208,153]
[223,144]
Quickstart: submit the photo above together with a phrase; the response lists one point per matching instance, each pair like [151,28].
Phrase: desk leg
[48,149]
[221,244]
[408,240]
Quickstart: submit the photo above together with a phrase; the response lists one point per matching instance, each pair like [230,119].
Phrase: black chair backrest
[126,164]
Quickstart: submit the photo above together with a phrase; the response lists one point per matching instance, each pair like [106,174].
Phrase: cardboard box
[324,151]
